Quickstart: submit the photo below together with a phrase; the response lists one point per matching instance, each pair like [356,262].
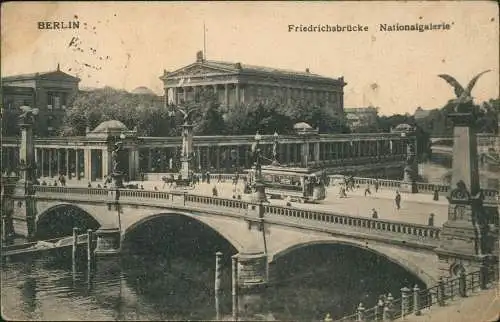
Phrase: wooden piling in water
[75,245]
[234,286]
[218,275]
[89,249]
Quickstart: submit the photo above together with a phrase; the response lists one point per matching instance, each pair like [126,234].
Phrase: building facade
[235,83]
[361,117]
[50,92]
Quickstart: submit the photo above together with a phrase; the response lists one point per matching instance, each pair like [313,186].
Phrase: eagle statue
[464,97]
[28,115]
[186,113]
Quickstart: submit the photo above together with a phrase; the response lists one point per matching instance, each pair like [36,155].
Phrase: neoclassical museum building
[235,83]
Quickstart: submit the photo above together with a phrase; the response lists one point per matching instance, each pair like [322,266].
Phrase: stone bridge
[250,228]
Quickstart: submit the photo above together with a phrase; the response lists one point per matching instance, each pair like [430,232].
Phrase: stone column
[184,93]
[150,158]
[68,171]
[174,99]
[50,162]
[77,163]
[217,162]
[287,153]
[198,159]
[58,161]
[196,91]
[87,159]
[237,93]
[133,163]
[106,158]
[305,154]
[317,152]
[226,95]
[42,161]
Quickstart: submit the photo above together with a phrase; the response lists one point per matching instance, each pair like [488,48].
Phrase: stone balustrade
[72,190]
[418,231]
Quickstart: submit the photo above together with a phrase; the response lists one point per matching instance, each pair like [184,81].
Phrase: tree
[89,109]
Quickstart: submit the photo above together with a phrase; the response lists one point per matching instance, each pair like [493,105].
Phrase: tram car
[299,184]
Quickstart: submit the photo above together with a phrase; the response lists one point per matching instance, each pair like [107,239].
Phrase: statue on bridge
[463,100]
[114,156]
[186,113]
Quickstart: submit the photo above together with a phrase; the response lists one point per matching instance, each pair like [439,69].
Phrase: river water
[308,283]
[169,272]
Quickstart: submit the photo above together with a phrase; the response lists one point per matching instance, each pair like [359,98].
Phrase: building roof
[301,126]
[421,113]
[368,109]
[40,75]
[240,68]
[143,90]
[108,126]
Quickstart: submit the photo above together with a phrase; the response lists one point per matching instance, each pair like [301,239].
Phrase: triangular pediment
[200,69]
[57,75]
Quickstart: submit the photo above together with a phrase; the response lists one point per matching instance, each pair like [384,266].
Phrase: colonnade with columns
[229,94]
[92,162]
[228,157]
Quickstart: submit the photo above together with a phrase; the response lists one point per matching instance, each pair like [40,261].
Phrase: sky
[129,44]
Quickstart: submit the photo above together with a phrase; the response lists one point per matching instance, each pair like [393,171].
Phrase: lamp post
[410,173]
[259,192]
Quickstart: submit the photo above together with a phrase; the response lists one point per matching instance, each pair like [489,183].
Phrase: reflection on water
[306,285]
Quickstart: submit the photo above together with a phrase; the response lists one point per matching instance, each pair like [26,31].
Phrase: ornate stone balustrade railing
[329,218]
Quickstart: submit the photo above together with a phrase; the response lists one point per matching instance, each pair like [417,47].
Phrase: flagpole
[204,42]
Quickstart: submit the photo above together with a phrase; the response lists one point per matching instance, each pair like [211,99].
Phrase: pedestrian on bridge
[397,199]
[343,193]
[208,177]
[214,191]
[436,195]
[62,180]
[367,189]
[374,214]
[376,185]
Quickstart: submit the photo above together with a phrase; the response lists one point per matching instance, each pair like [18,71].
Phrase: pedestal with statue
[185,176]
[410,175]
[23,194]
[186,172]
[258,188]
[116,172]
[468,236]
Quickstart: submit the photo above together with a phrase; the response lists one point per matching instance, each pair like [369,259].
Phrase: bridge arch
[59,220]
[400,260]
[226,232]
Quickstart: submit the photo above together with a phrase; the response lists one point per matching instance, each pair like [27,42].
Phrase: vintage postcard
[272,161]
